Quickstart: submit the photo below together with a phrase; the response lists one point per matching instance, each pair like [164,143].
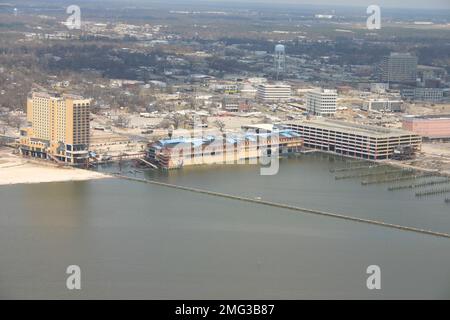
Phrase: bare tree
[122,121]
[170,132]
[220,124]
[178,120]
[14,121]
[164,124]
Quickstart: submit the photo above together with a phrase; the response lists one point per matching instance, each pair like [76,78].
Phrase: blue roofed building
[226,148]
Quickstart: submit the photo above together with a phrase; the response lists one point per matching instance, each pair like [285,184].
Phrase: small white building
[273,92]
[383,105]
[321,102]
[379,87]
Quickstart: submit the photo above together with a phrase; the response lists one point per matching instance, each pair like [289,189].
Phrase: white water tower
[280,60]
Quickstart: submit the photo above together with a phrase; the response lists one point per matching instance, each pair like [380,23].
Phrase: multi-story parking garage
[354,140]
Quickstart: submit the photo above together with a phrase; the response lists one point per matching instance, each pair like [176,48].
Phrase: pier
[148,164]
[125,156]
[289,207]
[433,192]
[119,158]
[419,185]
[373,174]
[346,169]
[397,179]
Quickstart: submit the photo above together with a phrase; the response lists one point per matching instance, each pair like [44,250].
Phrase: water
[306,182]
[135,240]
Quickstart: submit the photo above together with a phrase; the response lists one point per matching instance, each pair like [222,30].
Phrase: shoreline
[17,170]
[25,174]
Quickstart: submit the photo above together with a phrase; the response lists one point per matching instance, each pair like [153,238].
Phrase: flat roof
[52,95]
[262,126]
[429,117]
[352,128]
[275,85]
[230,138]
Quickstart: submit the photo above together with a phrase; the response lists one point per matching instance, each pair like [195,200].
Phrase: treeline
[346,51]
[437,54]
[108,59]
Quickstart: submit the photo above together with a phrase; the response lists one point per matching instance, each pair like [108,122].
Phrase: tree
[122,121]
[220,124]
[14,121]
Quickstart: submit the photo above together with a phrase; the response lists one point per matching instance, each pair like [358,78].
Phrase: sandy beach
[16,170]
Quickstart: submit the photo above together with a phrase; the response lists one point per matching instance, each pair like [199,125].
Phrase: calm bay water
[135,240]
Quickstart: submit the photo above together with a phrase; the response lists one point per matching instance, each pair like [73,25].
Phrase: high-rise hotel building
[58,128]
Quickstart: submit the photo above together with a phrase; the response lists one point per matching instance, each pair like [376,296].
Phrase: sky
[408,4]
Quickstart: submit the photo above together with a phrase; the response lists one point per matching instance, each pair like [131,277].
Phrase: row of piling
[419,185]
[433,192]
[366,167]
[404,174]
[398,179]
[373,174]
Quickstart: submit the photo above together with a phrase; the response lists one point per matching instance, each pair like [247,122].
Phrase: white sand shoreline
[16,170]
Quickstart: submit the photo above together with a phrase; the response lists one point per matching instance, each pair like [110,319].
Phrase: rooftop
[429,117]
[48,95]
[352,128]
[324,91]
[229,138]
[275,85]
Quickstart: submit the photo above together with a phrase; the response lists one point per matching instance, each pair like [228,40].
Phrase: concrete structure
[58,128]
[230,104]
[230,148]
[229,88]
[273,93]
[321,102]
[235,104]
[354,140]
[399,68]
[379,87]
[383,105]
[431,126]
[423,94]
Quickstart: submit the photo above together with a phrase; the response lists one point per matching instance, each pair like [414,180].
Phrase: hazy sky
[429,4]
[407,4]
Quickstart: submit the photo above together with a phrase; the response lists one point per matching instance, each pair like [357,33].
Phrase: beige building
[354,140]
[58,128]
